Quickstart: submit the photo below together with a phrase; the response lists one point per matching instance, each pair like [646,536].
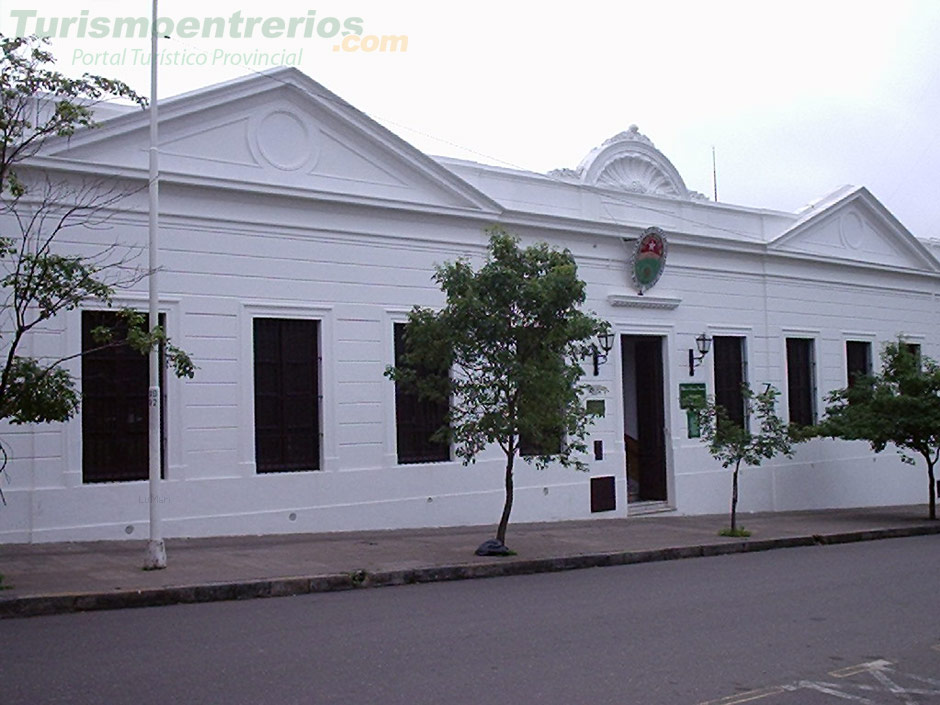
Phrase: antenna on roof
[714,175]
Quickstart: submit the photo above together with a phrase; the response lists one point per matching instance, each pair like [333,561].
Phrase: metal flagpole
[156,550]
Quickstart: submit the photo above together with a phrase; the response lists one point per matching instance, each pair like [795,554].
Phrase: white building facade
[296,232]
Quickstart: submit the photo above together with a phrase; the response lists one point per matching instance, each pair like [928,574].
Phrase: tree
[513,336]
[38,281]
[900,405]
[38,102]
[733,444]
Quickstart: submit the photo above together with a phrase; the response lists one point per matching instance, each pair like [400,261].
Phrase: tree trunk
[507,507]
[933,490]
[734,497]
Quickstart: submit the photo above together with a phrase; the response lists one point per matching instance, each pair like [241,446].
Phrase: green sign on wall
[692,394]
[595,407]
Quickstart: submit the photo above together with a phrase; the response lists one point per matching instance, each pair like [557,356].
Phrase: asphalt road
[830,624]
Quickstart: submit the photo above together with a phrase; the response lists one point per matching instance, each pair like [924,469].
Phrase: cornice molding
[643,301]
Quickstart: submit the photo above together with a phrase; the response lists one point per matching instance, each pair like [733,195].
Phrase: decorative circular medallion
[649,259]
[284,140]
[852,230]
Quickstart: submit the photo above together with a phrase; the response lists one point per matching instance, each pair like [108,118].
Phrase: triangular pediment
[279,130]
[851,225]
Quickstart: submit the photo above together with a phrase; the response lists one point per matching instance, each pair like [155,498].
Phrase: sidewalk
[69,577]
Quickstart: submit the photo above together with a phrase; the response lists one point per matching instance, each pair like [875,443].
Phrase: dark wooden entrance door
[651,437]
[650,420]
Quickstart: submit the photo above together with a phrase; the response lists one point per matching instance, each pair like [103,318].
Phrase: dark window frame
[287,413]
[416,419]
[858,360]
[115,414]
[801,380]
[729,366]
[915,349]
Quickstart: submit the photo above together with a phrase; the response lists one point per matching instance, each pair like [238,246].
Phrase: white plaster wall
[214,278]
[359,271]
[831,305]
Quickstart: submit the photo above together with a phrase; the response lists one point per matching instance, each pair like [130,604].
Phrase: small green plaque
[595,407]
[695,431]
[691,394]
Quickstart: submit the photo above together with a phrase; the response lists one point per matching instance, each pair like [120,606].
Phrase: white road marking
[860,668]
[829,689]
[746,697]
[891,686]
[878,670]
[924,679]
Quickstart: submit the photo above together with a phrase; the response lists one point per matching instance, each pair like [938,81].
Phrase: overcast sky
[798,98]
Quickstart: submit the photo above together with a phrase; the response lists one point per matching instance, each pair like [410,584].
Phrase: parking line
[746,697]
[860,668]
[830,689]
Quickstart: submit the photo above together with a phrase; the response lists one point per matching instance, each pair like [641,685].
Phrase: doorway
[644,417]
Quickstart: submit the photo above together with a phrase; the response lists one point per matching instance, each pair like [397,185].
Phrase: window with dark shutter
[115,410]
[801,385]
[730,374]
[287,405]
[857,360]
[417,419]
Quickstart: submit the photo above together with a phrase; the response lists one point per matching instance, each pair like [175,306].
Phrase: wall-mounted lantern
[606,342]
[704,344]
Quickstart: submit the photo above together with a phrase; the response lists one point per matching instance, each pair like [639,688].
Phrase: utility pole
[156,549]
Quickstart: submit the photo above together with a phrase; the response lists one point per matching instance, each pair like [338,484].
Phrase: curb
[40,605]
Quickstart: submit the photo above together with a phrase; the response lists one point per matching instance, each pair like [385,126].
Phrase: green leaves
[31,87]
[54,282]
[899,406]
[134,333]
[732,444]
[514,335]
[37,391]
[36,394]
